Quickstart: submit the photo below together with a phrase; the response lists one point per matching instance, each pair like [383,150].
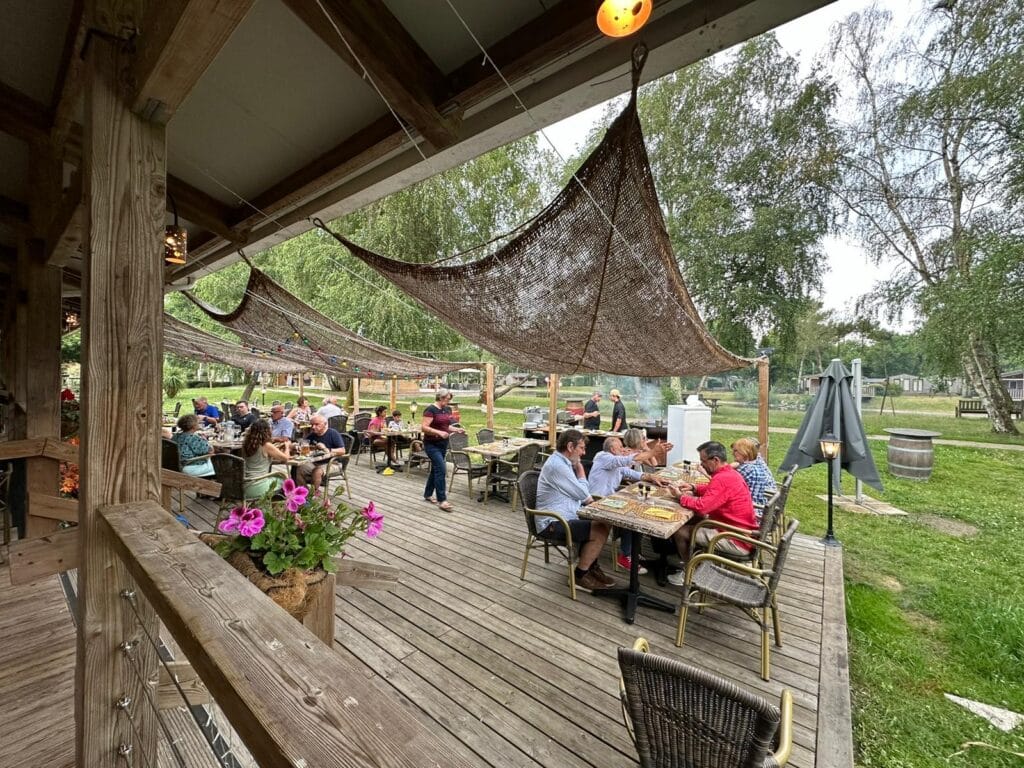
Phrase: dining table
[638,509]
[392,435]
[496,450]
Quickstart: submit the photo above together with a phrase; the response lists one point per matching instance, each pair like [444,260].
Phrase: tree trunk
[983,374]
[247,392]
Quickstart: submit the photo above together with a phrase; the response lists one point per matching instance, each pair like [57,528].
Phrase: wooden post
[489,393]
[553,409]
[122,282]
[355,395]
[394,393]
[762,405]
[302,383]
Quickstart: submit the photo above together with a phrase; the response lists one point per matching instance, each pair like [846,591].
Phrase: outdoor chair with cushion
[463,462]
[562,541]
[713,580]
[680,715]
[507,472]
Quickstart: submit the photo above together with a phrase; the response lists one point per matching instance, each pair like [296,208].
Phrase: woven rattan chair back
[229,471]
[458,441]
[781,553]
[528,458]
[528,494]
[338,423]
[288,407]
[484,436]
[226,410]
[361,421]
[685,716]
[170,456]
[177,409]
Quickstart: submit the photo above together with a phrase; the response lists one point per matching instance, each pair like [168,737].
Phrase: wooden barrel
[911,454]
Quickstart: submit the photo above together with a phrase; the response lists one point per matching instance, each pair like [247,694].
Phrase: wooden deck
[508,672]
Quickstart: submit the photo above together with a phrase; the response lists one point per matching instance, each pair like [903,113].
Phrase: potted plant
[286,542]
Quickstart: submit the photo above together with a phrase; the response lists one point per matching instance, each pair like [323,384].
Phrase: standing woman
[257,451]
[436,426]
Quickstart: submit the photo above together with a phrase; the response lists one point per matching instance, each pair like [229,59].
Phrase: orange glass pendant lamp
[619,18]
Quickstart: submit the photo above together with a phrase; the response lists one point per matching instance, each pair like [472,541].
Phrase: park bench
[975,406]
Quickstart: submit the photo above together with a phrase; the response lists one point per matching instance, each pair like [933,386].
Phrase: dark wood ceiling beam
[177,41]
[67,229]
[69,85]
[13,213]
[201,209]
[22,116]
[406,76]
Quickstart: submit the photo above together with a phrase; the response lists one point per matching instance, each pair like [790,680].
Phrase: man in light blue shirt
[281,427]
[563,488]
[612,467]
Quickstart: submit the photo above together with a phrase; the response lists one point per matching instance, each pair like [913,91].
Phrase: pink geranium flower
[295,495]
[248,521]
[376,520]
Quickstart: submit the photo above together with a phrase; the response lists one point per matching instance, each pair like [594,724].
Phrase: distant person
[563,488]
[375,431]
[192,446]
[208,414]
[618,411]
[282,429]
[437,425]
[302,412]
[755,472]
[330,408]
[243,418]
[592,412]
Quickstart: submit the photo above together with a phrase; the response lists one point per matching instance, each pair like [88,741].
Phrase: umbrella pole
[830,539]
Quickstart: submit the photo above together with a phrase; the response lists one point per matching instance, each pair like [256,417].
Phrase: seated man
[282,429]
[611,468]
[563,488]
[725,499]
[330,407]
[243,417]
[312,473]
[208,414]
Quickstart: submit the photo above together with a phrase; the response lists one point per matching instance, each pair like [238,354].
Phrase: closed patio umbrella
[834,411]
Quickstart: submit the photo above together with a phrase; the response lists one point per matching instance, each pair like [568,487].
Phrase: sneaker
[590,581]
[678,579]
[625,562]
[601,576]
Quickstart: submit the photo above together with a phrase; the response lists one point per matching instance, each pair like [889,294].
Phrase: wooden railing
[291,699]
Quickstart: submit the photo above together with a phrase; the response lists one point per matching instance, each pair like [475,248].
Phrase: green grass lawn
[934,600]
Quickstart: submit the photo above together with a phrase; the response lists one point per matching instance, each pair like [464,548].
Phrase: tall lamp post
[830,448]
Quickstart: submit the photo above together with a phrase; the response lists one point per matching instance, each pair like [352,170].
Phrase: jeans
[436,450]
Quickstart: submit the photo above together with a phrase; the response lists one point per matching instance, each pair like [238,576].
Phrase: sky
[851,274]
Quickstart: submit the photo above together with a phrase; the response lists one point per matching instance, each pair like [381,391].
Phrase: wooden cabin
[240,120]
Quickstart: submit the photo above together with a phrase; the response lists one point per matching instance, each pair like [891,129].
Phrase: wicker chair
[417,456]
[338,424]
[713,580]
[679,715]
[509,472]
[780,517]
[170,458]
[563,543]
[766,531]
[360,423]
[463,462]
[338,466]
[484,436]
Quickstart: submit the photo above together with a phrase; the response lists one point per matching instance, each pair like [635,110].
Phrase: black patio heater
[830,449]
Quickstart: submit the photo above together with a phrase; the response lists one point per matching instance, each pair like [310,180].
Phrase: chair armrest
[757,543]
[642,646]
[707,523]
[548,513]
[785,747]
[195,460]
[732,565]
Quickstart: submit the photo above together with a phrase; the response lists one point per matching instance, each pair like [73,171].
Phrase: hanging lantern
[175,239]
[620,18]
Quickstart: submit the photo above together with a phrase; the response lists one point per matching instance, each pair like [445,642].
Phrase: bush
[175,380]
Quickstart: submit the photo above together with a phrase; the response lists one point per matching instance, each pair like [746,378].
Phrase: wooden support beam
[178,39]
[365,34]
[52,507]
[67,98]
[22,116]
[13,213]
[64,238]
[489,393]
[553,410]
[22,449]
[124,178]
[202,209]
[35,559]
[762,405]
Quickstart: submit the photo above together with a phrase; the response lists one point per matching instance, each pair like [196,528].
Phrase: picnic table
[497,449]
